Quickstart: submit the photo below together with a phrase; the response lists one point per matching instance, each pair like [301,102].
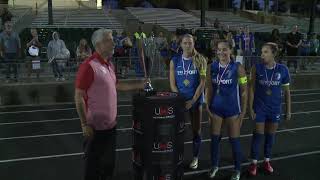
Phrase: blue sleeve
[286,76]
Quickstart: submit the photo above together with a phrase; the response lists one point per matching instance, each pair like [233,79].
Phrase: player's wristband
[203,72]
[243,80]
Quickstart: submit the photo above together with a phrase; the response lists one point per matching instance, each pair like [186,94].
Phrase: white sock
[254,161]
[267,159]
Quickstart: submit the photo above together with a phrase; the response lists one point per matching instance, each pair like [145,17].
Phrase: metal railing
[39,70]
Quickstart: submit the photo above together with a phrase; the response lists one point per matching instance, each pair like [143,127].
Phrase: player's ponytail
[199,61]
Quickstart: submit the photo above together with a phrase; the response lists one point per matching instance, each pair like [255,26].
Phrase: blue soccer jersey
[225,100]
[268,88]
[186,76]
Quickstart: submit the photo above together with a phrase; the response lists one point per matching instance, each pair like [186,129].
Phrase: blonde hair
[199,61]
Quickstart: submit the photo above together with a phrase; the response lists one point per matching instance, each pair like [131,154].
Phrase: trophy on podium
[147,49]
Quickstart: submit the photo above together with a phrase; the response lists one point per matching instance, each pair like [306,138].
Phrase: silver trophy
[148,48]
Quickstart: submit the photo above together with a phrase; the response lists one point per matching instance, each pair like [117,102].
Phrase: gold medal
[186,82]
[269,92]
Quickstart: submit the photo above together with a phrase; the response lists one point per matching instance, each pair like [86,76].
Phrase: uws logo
[163,112]
[162,147]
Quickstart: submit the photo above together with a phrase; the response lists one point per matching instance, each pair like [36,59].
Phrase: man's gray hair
[97,35]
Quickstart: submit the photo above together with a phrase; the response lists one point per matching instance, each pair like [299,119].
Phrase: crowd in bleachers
[161,46]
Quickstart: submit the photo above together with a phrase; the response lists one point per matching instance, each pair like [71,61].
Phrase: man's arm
[80,105]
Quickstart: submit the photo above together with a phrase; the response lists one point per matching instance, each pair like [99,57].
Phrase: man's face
[295,29]
[106,45]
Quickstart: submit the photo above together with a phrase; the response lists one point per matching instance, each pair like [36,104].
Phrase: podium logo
[162,177]
[163,111]
[163,147]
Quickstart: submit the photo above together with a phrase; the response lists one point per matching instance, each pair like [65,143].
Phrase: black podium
[158,136]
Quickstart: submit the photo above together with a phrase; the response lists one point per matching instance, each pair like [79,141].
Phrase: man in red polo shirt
[96,102]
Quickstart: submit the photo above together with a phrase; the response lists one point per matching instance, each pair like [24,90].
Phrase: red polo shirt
[85,74]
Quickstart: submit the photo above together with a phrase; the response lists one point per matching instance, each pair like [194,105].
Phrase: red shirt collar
[101,59]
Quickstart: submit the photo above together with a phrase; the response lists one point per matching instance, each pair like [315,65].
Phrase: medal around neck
[186,82]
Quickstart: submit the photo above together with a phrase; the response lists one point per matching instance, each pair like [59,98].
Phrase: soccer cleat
[236,175]
[267,167]
[194,163]
[213,171]
[252,170]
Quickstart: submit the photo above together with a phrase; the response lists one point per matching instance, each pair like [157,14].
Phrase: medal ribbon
[184,70]
[219,80]
[269,81]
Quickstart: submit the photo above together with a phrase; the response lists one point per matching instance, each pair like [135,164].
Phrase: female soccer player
[267,81]
[187,77]
[224,98]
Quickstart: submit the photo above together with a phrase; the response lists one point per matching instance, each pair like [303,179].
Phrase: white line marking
[71,119]
[248,163]
[120,106]
[129,149]
[120,129]
[307,94]
[42,121]
[48,110]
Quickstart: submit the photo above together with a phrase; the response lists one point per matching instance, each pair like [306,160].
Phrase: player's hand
[189,104]
[252,115]
[87,131]
[287,119]
[240,118]
[209,112]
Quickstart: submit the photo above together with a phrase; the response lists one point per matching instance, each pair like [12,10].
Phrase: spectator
[314,49]
[305,46]
[10,50]
[304,50]
[225,31]
[293,42]
[230,39]
[127,46]
[83,51]
[276,38]
[149,52]
[162,47]
[214,45]
[174,46]
[248,47]
[140,34]
[216,23]
[96,102]
[57,54]
[182,31]
[118,40]
[238,42]
[33,52]
[6,15]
